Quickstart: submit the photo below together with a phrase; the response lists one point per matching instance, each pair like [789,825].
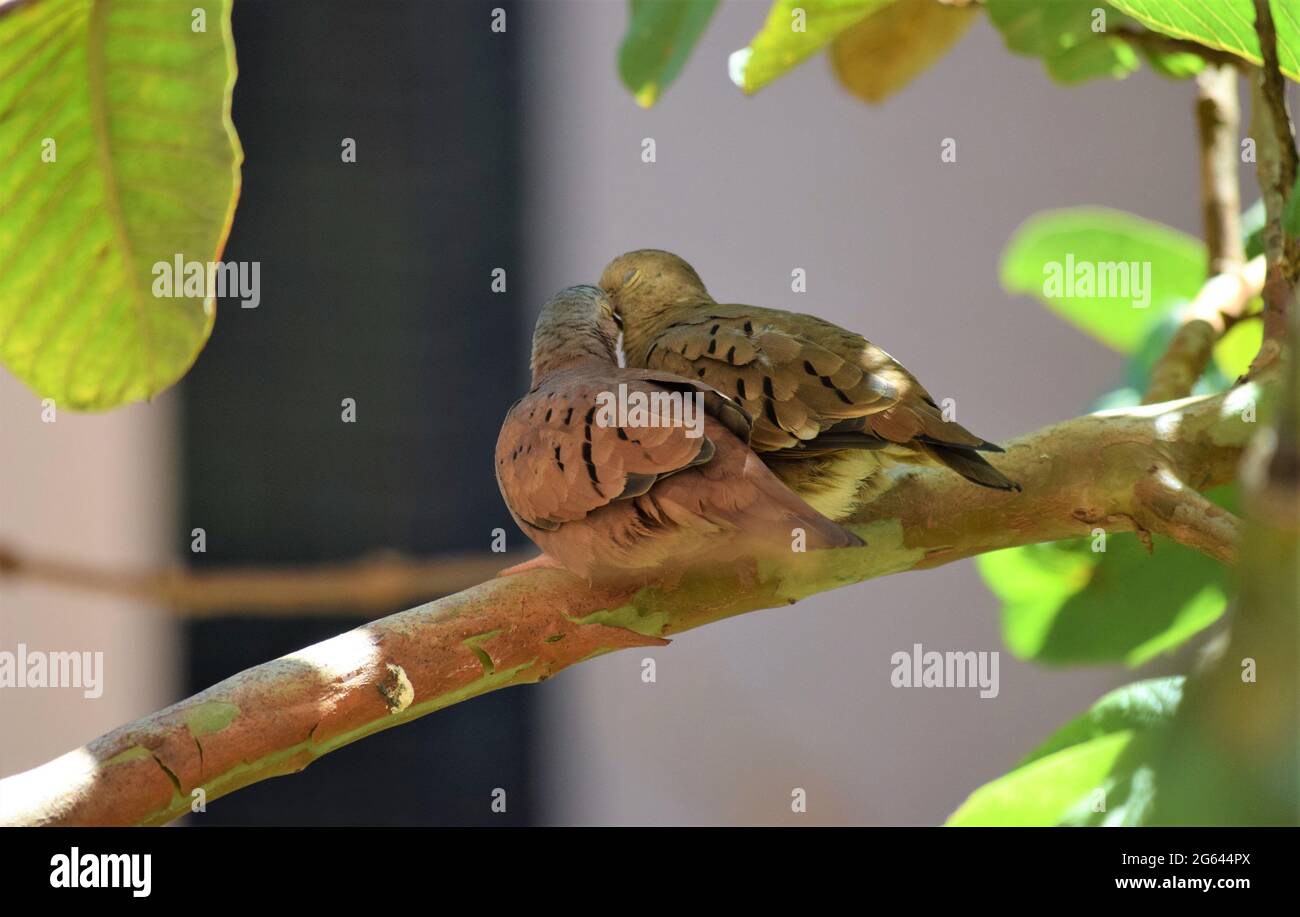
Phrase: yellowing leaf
[118,154]
[884,52]
[794,31]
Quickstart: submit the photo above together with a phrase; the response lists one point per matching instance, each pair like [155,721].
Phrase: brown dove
[626,474]
[831,410]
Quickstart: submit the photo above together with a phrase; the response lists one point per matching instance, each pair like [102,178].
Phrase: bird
[626,495]
[832,411]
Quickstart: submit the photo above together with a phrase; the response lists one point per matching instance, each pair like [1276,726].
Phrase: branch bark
[278,717]
[1223,300]
[1276,172]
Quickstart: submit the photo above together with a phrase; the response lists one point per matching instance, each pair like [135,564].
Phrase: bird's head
[644,283]
[577,322]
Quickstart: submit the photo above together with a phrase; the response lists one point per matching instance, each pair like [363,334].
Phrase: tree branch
[1143,39]
[278,717]
[372,584]
[1276,172]
[1218,122]
[1222,300]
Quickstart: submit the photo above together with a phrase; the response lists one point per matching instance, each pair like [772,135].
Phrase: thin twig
[1224,298]
[373,584]
[1167,44]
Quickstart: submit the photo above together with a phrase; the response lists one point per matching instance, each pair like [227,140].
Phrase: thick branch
[371,584]
[278,717]
[1276,173]
[1165,504]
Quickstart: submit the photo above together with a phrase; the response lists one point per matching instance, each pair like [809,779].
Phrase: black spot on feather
[591,469]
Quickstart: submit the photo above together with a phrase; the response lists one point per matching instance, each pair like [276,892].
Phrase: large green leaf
[1064,604]
[1060,32]
[780,45]
[137,106]
[1228,25]
[1051,248]
[1111,749]
[660,36]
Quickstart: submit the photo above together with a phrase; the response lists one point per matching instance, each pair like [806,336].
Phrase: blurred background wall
[522,151]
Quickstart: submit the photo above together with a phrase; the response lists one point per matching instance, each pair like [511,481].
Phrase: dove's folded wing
[795,386]
[558,459]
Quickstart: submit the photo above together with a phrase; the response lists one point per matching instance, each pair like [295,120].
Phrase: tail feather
[971,465]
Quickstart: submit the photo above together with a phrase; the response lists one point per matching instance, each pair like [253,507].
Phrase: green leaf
[1139,706]
[1177,65]
[660,37]
[1235,350]
[1096,770]
[1051,254]
[135,107]
[1061,33]
[1291,212]
[1252,229]
[1228,25]
[1064,604]
[794,31]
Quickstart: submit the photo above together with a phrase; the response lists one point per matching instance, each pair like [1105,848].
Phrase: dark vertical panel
[375,286]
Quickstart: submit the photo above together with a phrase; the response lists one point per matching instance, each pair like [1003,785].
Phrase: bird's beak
[618,319]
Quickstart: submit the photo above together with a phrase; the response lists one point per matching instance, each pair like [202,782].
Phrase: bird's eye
[630,276]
